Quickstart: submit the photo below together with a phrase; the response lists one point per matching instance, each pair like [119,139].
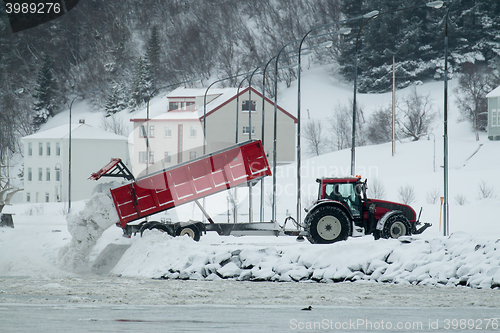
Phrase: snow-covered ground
[42,246]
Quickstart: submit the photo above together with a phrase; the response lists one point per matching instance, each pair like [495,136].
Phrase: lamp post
[434,155]
[205,108]
[205,128]
[148,98]
[343,31]
[446,217]
[276,106]
[368,17]
[273,214]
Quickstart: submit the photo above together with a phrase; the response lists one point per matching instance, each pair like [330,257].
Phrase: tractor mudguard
[383,219]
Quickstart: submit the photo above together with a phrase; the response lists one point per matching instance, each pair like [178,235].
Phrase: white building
[46,161]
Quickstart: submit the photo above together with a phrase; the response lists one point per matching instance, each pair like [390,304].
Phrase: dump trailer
[243,164]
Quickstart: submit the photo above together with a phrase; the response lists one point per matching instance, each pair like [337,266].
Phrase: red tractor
[344,210]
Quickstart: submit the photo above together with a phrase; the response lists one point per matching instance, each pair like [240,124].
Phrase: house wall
[192,146]
[221,128]
[494,112]
[35,190]
[88,156]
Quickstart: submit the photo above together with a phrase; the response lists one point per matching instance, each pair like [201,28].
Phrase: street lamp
[205,108]
[276,104]
[250,132]
[434,156]
[148,98]
[343,31]
[446,217]
[368,17]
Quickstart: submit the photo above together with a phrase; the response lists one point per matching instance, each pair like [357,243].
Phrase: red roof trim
[143,120]
[259,94]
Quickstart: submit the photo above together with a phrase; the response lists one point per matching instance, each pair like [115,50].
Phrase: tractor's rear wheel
[327,224]
[396,226]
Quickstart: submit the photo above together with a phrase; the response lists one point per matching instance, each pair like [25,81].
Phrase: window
[47,197]
[142,157]
[48,149]
[192,155]
[173,106]
[167,158]
[40,149]
[30,174]
[142,131]
[30,148]
[143,154]
[495,118]
[192,133]
[58,149]
[40,174]
[245,105]
[168,132]
[348,193]
[58,175]
[47,174]
[190,105]
[151,131]
[246,130]
[28,197]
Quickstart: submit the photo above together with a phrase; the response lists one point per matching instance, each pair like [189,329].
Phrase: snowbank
[87,226]
[456,260]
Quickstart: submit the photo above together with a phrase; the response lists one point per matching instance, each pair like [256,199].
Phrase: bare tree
[379,129]
[460,199]
[471,96]
[432,196]
[376,190]
[114,124]
[407,194]
[419,114]
[485,190]
[316,140]
[341,125]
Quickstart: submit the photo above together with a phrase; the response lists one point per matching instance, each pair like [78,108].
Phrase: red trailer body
[209,174]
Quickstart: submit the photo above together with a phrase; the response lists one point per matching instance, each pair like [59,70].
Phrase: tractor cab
[350,191]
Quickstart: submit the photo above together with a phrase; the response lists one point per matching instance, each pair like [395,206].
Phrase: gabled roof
[223,96]
[78,131]
[494,93]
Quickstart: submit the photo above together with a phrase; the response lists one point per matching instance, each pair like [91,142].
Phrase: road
[114,304]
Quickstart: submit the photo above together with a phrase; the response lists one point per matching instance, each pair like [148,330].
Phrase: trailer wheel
[396,226]
[327,224]
[156,225]
[191,230]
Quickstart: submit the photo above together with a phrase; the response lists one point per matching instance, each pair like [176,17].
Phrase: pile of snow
[87,226]
[459,259]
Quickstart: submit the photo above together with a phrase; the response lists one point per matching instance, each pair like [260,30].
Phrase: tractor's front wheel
[327,224]
[396,226]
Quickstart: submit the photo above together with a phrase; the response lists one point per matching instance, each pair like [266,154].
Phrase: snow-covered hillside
[470,256]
